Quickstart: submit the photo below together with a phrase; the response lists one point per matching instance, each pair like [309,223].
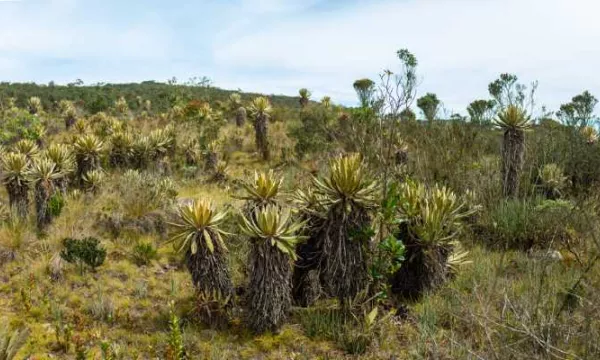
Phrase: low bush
[143,253]
[83,252]
[532,224]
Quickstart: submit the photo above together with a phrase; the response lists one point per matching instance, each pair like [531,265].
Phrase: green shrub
[143,253]
[83,252]
[141,193]
[55,204]
[19,124]
[352,332]
[527,224]
[313,134]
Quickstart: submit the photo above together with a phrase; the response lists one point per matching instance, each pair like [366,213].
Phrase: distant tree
[429,105]
[304,97]
[408,115]
[481,111]
[506,90]
[580,111]
[365,89]
[458,117]
[326,101]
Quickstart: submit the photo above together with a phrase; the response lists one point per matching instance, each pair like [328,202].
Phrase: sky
[279,46]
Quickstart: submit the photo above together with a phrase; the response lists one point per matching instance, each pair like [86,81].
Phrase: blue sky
[279,46]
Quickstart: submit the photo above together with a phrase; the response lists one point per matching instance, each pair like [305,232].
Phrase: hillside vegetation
[166,221]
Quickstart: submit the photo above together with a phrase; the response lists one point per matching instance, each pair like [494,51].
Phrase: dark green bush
[314,132]
[83,252]
[55,204]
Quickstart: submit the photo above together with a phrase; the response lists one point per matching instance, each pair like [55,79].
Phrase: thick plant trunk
[513,151]
[240,116]
[344,267]
[18,197]
[269,290]
[42,197]
[209,270]
[118,158]
[306,283]
[262,141]
[86,164]
[210,277]
[424,270]
[69,121]
[211,160]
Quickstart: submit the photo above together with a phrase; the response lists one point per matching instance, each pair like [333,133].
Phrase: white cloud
[461,45]
[55,30]
[275,6]
[279,46]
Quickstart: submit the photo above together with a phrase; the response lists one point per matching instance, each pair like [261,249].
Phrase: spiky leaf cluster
[14,168]
[347,183]
[199,221]
[93,180]
[26,147]
[513,118]
[88,146]
[121,143]
[458,258]
[589,134]
[310,202]
[34,105]
[275,226]
[260,107]
[264,189]
[62,156]
[43,170]
[433,215]
[553,178]
[121,105]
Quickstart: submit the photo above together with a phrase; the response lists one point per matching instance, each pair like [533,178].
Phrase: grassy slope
[127,305]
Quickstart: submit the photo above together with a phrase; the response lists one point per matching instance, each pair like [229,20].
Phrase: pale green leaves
[264,189]
[274,225]
[199,226]
[347,181]
[513,118]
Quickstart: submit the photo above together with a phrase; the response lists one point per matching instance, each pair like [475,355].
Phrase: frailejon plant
[199,237]
[62,157]
[43,175]
[121,149]
[260,110]
[92,181]
[305,95]
[14,170]
[88,149]
[263,191]
[350,198]
[430,220]
[514,121]
[26,147]
[305,281]
[553,181]
[273,237]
